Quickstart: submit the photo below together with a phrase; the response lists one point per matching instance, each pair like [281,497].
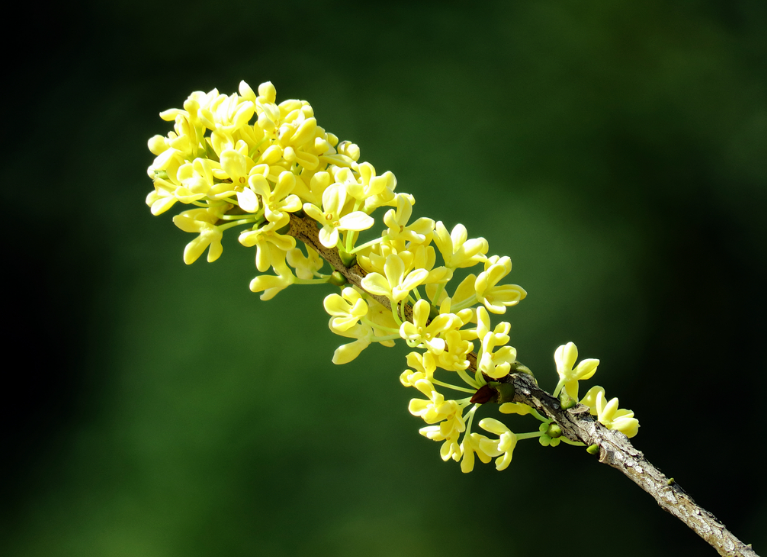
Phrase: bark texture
[577,424]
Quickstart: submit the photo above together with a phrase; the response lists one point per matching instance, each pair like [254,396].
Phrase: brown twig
[615,449]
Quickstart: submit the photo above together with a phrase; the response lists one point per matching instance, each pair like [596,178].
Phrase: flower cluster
[244,161]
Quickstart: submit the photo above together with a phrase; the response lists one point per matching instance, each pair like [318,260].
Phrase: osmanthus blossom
[454,357]
[245,160]
[346,309]
[367,185]
[419,334]
[271,246]
[271,285]
[497,298]
[397,282]
[456,249]
[435,408]
[472,444]
[397,222]
[331,219]
[608,413]
[305,265]
[450,448]
[503,447]
[565,358]
[362,335]
[423,366]
[278,201]
[202,221]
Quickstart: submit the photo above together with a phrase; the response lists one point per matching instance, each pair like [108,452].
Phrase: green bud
[338,279]
[347,258]
[505,392]
[670,481]
[519,367]
[554,431]
[565,400]
[543,427]
[592,449]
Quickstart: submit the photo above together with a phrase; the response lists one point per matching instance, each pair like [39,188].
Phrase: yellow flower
[498,364]
[497,298]
[418,333]
[368,183]
[346,309]
[271,247]
[272,285]
[472,444]
[333,200]
[363,335]
[237,167]
[397,222]
[423,366]
[277,201]
[202,221]
[398,283]
[160,200]
[436,408]
[456,349]
[565,358]
[305,265]
[456,249]
[608,413]
[500,333]
[502,447]
[450,448]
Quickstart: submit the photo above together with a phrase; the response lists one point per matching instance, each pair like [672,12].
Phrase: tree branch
[616,450]
[577,424]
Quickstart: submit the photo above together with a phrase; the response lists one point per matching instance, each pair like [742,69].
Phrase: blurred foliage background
[615,150]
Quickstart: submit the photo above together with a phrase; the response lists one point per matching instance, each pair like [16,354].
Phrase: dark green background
[615,150]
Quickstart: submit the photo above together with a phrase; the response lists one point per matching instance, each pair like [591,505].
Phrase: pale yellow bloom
[202,221]
[565,358]
[463,291]
[160,200]
[500,332]
[472,444]
[278,201]
[272,285]
[435,408]
[497,364]
[237,167]
[367,185]
[502,447]
[271,247]
[305,265]
[453,358]
[333,200]
[382,321]
[608,413]
[450,448]
[497,298]
[363,335]
[418,333]
[346,309]
[423,366]
[397,284]
[397,223]
[460,318]
[456,249]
